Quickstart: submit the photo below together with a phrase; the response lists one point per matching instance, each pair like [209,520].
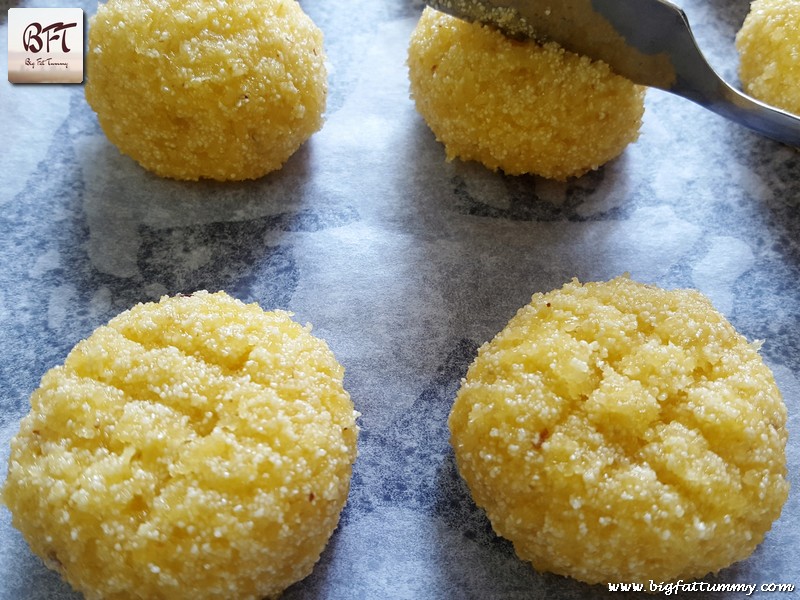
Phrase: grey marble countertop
[404,264]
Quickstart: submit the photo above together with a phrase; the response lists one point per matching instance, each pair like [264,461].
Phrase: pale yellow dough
[615,431]
[518,106]
[199,89]
[192,448]
[769,53]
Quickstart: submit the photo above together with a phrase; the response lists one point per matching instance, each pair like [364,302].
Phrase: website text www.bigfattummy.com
[680,586]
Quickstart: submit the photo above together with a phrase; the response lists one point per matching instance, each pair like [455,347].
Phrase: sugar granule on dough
[193,448]
[615,431]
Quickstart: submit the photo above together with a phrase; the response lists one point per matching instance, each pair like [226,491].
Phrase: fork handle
[701,84]
[692,77]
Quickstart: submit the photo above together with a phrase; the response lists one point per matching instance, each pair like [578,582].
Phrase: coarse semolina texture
[619,432]
[769,53]
[516,105]
[216,89]
[193,448]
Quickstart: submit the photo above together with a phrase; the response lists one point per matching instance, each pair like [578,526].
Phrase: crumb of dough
[769,53]
[616,431]
[216,90]
[516,105]
[192,448]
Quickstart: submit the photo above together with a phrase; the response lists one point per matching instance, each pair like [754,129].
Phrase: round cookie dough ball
[619,432]
[192,448]
[518,106]
[769,53]
[217,90]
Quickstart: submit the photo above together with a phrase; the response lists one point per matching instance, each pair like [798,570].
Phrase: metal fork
[648,41]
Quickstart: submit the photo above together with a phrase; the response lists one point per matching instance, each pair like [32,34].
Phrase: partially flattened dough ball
[620,432]
[192,448]
[217,90]
[769,53]
[518,106]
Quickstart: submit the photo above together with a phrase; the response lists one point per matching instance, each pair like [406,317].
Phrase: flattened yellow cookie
[615,431]
[193,448]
